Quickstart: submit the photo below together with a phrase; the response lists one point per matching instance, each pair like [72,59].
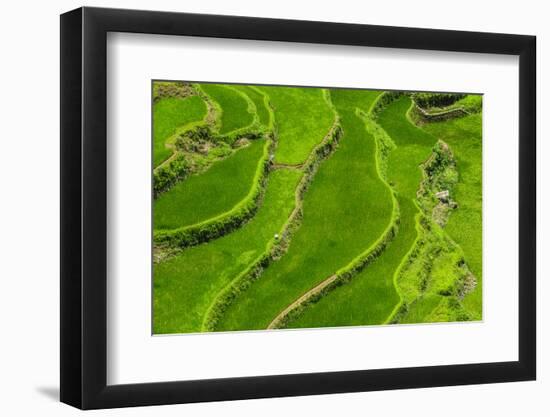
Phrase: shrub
[163,89]
[427,100]
[167,175]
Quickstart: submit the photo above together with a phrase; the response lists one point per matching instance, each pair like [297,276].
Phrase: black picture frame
[84,207]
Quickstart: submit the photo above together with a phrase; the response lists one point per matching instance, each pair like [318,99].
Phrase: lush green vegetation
[235,109]
[308,207]
[357,208]
[464,226]
[303,117]
[186,284]
[171,114]
[211,193]
[371,296]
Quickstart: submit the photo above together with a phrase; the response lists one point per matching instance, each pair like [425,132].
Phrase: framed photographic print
[257,208]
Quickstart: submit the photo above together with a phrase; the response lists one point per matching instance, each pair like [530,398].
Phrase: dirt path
[293,166]
[300,301]
[169,159]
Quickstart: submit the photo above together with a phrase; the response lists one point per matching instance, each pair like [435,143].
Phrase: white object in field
[443,195]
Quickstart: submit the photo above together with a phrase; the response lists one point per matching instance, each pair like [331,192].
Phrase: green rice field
[326,208]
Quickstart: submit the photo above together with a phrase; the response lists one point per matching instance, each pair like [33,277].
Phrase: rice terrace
[299,207]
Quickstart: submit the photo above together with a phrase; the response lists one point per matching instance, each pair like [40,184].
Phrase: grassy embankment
[465,224]
[171,115]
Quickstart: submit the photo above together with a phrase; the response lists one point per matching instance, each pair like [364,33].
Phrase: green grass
[302,117]
[235,110]
[422,308]
[345,210]
[465,224]
[211,193]
[371,295]
[184,286]
[169,114]
[258,99]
